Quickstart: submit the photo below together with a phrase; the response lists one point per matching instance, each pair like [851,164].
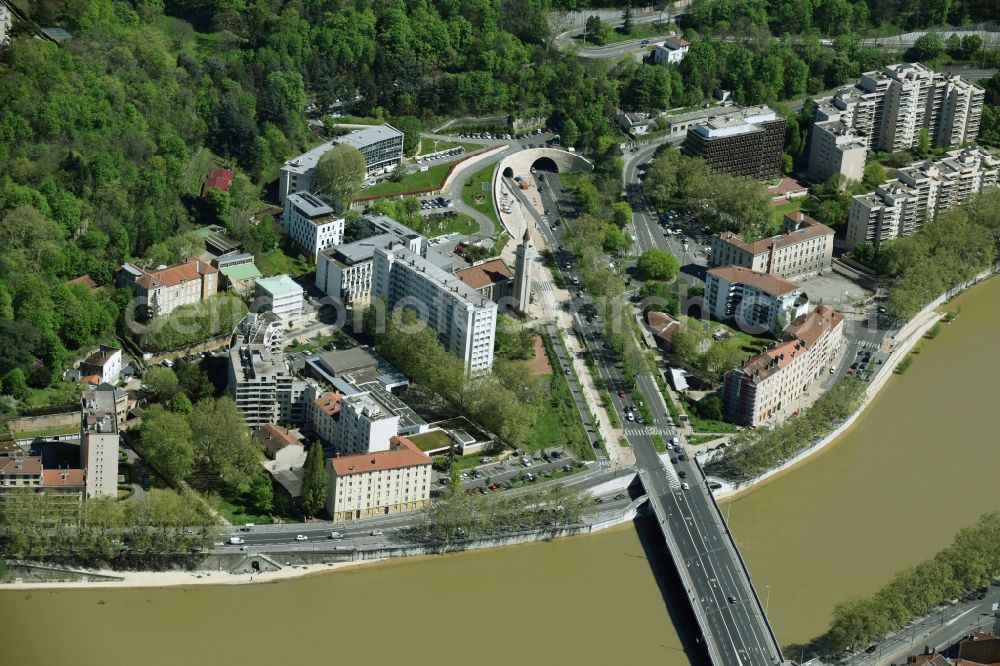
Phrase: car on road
[682,457]
[335,535]
[376,533]
[732,599]
[682,474]
[620,496]
[686,486]
[235,541]
[630,416]
[673,459]
[621,393]
[871,648]
[301,537]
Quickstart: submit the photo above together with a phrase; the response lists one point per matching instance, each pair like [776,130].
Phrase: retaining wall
[63,420]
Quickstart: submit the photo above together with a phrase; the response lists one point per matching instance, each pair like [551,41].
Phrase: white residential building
[161,291]
[835,149]
[281,295]
[263,388]
[886,110]
[755,301]
[106,363]
[311,224]
[671,51]
[99,442]
[804,247]
[376,484]
[636,123]
[772,384]
[464,320]
[919,193]
[364,425]
[381,146]
[345,272]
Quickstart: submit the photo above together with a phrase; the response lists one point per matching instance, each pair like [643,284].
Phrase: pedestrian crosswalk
[543,286]
[868,344]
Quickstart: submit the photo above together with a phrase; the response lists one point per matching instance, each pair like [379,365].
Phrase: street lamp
[767,600]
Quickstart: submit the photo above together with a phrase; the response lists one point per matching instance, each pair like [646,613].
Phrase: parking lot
[497,475]
[440,155]
[435,203]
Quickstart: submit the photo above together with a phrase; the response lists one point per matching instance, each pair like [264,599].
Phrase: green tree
[627,20]
[570,133]
[262,492]
[923,148]
[162,382]
[220,434]
[929,46]
[166,442]
[339,173]
[314,481]
[657,264]
[411,129]
[15,383]
[181,404]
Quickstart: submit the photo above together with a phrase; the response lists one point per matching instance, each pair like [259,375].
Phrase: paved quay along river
[917,466]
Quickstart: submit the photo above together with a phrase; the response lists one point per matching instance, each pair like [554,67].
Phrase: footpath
[547,308]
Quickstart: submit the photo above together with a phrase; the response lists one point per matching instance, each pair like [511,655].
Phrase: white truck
[235,541]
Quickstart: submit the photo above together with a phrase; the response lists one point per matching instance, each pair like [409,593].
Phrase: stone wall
[29,423]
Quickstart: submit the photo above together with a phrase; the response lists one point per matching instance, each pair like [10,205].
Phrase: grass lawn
[474,195]
[197,169]
[237,508]
[60,393]
[276,262]
[558,423]
[47,432]
[434,439]
[418,180]
[460,223]
[779,211]
[638,31]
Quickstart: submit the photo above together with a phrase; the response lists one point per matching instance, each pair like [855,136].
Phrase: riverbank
[909,335]
[152,579]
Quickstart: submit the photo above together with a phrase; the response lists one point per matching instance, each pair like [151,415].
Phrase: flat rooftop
[432,272]
[309,204]
[363,138]
[279,285]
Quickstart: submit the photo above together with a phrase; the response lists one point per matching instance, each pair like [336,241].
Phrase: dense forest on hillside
[104,139]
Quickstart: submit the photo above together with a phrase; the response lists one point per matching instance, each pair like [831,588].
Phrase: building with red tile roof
[757,302]
[492,278]
[323,415]
[218,179]
[805,247]
[165,289]
[770,384]
[379,483]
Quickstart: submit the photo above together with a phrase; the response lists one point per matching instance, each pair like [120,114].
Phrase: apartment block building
[771,384]
[364,425]
[161,291]
[918,193]
[464,320]
[311,224]
[324,414]
[281,295]
[264,389]
[99,440]
[397,480]
[835,149]
[756,302]
[746,142]
[887,110]
[804,248]
[345,272]
[381,146]
[19,471]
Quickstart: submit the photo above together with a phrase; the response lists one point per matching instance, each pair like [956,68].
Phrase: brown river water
[920,463]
